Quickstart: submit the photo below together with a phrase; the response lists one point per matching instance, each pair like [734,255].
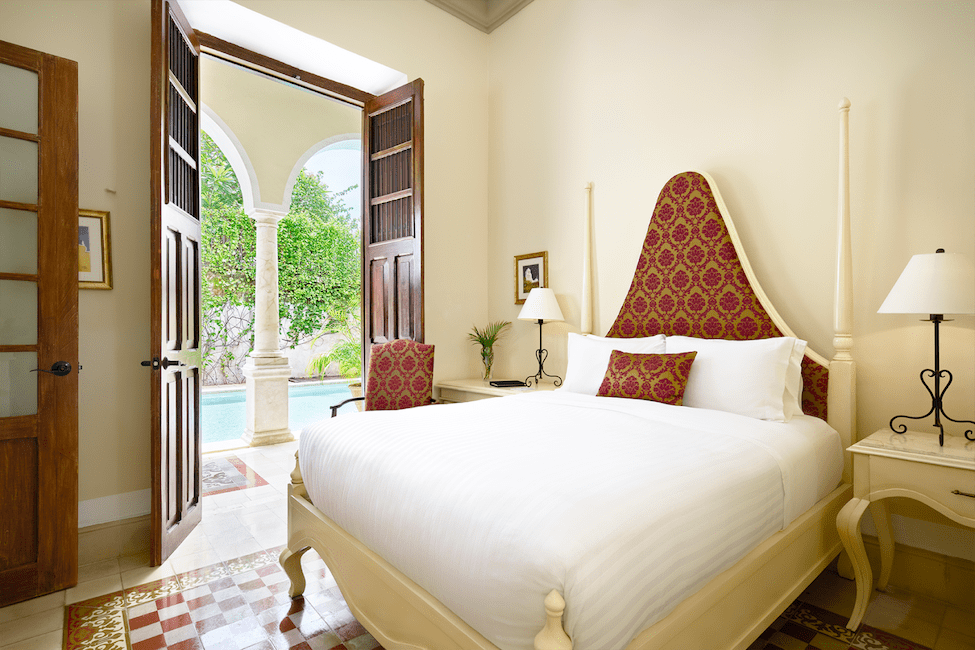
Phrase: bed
[500,524]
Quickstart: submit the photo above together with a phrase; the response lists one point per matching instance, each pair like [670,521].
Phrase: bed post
[585,321]
[842,368]
[552,636]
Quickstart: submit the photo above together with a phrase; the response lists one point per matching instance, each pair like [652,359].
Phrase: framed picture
[94,250]
[531,271]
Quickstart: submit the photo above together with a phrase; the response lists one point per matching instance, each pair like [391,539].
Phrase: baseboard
[113,539]
[945,578]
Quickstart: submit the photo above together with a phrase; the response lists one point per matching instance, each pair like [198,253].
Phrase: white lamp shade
[935,283]
[541,304]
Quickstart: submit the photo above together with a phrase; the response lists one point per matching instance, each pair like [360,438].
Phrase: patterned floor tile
[228,474]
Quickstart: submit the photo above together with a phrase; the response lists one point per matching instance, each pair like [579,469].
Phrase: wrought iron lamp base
[541,354]
[937,394]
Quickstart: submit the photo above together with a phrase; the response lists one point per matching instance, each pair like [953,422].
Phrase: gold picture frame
[94,250]
[531,272]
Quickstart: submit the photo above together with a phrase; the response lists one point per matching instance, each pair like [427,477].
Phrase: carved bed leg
[291,563]
[552,636]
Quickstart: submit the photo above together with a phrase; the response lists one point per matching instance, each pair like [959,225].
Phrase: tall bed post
[585,321]
[842,368]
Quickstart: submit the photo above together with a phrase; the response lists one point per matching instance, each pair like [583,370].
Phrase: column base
[267,400]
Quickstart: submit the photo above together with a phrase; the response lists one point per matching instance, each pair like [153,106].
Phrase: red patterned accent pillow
[689,281]
[400,375]
[654,377]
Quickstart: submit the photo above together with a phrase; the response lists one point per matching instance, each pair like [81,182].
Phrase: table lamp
[542,306]
[935,284]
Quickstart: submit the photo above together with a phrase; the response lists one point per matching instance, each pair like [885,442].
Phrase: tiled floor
[223,590]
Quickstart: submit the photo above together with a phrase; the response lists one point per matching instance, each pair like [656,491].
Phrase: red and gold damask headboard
[690,281]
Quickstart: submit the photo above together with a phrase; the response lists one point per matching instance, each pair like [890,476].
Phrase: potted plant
[486,338]
[348,355]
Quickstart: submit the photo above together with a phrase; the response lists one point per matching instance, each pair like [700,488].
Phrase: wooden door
[38,323]
[175,251]
[392,229]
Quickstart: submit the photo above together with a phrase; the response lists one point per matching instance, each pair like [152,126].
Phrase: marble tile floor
[248,526]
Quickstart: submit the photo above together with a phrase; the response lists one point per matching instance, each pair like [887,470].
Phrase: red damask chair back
[400,375]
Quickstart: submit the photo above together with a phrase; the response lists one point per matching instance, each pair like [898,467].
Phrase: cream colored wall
[110,41]
[626,94]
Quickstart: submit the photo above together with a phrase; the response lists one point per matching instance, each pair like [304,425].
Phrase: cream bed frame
[730,612]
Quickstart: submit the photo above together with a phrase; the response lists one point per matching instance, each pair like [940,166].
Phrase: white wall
[626,94]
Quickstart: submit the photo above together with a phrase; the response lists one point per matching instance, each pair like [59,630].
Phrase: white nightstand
[469,390]
[912,465]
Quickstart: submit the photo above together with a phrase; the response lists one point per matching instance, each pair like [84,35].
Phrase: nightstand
[912,465]
[469,390]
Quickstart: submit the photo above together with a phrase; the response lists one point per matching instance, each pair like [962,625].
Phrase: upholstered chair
[400,376]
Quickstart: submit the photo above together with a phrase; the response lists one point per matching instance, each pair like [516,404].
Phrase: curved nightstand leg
[848,526]
[881,518]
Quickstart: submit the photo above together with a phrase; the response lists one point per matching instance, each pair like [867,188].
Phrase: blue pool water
[223,414]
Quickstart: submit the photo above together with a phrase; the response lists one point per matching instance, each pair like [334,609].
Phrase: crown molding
[485,15]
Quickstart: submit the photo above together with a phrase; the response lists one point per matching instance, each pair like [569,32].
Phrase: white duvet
[626,507]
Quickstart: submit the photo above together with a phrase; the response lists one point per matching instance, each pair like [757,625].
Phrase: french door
[38,323]
[175,294]
[392,228]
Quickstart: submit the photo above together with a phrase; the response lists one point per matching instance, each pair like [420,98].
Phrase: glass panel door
[18,101]
[18,240]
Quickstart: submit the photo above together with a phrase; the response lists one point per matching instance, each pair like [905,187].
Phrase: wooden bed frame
[730,612]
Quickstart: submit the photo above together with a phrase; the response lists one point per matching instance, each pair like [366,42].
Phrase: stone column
[267,369]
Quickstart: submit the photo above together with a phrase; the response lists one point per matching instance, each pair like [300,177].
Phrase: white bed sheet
[626,507]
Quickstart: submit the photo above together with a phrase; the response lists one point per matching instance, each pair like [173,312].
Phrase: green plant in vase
[486,338]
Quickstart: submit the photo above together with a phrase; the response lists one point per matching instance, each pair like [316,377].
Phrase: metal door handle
[155,363]
[58,368]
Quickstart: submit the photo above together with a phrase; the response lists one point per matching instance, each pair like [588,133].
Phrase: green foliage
[348,354]
[490,335]
[318,265]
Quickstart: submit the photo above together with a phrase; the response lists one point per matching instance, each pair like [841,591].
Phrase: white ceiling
[485,15]
[236,24]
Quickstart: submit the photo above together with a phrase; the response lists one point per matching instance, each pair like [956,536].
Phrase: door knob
[58,368]
[155,363]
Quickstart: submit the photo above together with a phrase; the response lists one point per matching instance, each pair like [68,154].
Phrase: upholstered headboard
[693,279]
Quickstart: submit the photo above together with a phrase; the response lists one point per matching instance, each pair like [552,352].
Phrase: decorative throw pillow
[655,377]
[588,356]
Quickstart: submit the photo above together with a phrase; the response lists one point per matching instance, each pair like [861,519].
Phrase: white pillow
[793,381]
[744,377]
[589,358]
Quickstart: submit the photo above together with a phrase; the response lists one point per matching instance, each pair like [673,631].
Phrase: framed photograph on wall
[531,271]
[94,250]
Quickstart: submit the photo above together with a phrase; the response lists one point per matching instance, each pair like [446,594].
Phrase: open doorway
[271,146]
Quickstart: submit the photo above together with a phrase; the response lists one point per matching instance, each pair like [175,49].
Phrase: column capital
[263,217]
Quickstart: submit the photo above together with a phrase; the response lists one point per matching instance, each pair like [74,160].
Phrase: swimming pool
[223,414]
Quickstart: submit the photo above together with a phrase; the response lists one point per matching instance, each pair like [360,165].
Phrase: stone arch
[231,147]
[311,151]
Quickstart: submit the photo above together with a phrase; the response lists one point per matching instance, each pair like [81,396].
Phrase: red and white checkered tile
[249,610]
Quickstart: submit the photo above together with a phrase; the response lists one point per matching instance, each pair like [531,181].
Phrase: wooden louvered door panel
[175,336]
[392,271]
[38,323]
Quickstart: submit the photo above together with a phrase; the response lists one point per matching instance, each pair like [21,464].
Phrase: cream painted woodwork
[485,15]
[38,323]
[470,390]
[912,465]
[729,612]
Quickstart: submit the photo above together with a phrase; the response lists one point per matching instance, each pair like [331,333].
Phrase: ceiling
[485,15]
